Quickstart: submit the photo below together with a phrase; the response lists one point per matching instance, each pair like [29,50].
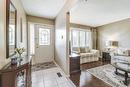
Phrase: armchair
[120,55]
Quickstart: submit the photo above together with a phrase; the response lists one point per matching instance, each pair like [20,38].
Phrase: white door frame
[52,42]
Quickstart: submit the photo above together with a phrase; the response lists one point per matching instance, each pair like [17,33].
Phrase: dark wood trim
[7,27]
[15,24]
[8,2]
[15,28]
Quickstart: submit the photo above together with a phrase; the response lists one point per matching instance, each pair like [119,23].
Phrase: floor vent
[59,74]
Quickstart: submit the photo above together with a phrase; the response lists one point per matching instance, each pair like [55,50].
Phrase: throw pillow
[87,50]
[82,50]
[128,52]
[121,52]
[76,49]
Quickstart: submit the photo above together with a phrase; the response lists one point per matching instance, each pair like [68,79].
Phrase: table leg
[126,76]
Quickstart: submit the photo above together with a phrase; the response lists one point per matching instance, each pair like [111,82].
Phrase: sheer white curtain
[81,38]
[94,38]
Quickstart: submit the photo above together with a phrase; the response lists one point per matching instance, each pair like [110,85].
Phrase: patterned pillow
[76,49]
[128,52]
[87,50]
[120,51]
[123,52]
[82,50]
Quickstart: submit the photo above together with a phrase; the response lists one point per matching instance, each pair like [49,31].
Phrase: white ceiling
[43,8]
[100,12]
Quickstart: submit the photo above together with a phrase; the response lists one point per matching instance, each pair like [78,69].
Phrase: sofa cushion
[86,55]
[122,58]
[76,49]
[122,52]
[82,50]
[87,49]
[128,52]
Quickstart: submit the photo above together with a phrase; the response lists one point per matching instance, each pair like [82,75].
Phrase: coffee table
[123,67]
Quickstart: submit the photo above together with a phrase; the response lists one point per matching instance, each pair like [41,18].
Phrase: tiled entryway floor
[49,78]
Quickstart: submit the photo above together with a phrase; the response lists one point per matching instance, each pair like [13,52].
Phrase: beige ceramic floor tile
[38,84]
[50,83]
[61,80]
[49,78]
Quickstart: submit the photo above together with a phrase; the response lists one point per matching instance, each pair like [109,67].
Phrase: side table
[106,57]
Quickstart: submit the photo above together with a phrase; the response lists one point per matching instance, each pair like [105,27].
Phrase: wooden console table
[74,63]
[16,76]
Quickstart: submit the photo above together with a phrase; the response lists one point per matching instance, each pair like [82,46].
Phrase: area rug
[106,73]
[42,66]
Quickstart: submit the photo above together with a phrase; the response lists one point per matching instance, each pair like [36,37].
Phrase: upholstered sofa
[86,54]
[120,55]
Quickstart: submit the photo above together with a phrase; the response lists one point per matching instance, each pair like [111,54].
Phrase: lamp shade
[112,43]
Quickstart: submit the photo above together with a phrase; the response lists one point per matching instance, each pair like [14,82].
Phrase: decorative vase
[20,59]
[13,61]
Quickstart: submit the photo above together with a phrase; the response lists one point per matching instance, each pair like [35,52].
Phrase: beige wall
[40,20]
[93,30]
[118,31]
[79,26]
[61,42]
[20,14]
[62,36]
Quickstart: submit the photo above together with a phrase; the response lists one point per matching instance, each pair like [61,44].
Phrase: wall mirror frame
[11,29]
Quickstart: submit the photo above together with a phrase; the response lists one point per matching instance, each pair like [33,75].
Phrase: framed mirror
[11,25]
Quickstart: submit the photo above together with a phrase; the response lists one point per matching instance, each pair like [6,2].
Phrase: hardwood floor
[85,79]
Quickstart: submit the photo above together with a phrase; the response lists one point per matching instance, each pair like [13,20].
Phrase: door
[44,44]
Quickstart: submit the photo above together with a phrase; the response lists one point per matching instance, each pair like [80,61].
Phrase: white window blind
[81,38]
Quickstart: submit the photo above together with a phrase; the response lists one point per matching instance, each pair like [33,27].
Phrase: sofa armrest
[112,54]
[96,52]
[76,52]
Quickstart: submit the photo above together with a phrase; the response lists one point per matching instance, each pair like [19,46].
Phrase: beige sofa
[87,55]
[120,55]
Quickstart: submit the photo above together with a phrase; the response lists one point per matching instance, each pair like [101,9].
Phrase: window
[32,40]
[44,36]
[88,39]
[11,35]
[75,38]
[81,38]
